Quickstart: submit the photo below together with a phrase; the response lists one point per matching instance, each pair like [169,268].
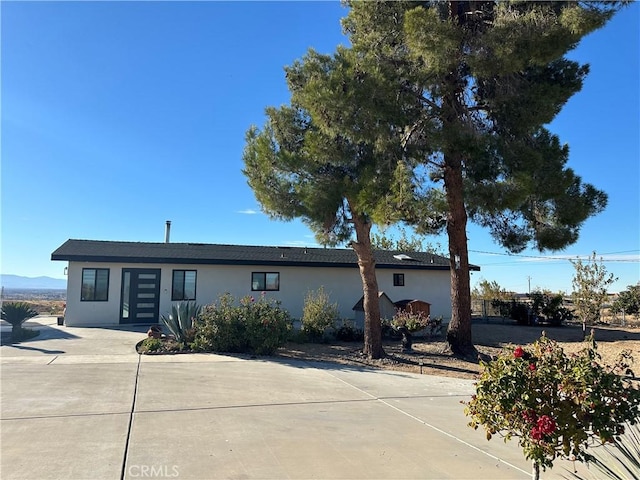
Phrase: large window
[398,279]
[184,285]
[262,281]
[95,285]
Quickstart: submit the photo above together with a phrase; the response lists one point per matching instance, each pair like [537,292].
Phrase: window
[95,285]
[261,281]
[398,279]
[184,285]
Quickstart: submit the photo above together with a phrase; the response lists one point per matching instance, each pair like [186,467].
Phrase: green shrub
[348,333]
[318,313]
[151,345]
[519,312]
[257,327]
[555,404]
[161,345]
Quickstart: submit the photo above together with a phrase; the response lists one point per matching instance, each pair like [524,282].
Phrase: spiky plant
[181,319]
[16,313]
[620,459]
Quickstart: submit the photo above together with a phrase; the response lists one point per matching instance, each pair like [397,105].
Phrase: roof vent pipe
[167,231]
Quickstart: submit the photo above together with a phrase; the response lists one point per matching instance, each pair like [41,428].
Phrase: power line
[560,258]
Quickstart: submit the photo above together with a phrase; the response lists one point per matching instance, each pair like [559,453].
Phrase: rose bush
[412,321]
[554,403]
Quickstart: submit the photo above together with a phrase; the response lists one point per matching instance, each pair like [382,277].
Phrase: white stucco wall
[343,285]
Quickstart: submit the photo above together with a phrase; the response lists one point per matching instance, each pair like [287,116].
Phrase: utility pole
[529,280]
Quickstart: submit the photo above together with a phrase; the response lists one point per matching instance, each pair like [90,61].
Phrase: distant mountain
[29,283]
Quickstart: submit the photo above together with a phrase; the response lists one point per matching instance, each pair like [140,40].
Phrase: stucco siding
[343,285]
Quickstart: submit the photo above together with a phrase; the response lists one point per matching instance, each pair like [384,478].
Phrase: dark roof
[360,305]
[211,254]
[404,303]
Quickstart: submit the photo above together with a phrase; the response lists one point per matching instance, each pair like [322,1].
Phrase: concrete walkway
[80,403]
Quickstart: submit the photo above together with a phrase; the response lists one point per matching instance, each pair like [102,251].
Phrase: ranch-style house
[112,283]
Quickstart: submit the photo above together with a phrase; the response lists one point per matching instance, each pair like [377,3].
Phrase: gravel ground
[430,356]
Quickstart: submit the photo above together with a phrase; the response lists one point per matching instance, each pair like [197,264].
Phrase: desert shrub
[555,404]
[318,313]
[267,325]
[411,321]
[549,307]
[502,306]
[520,313]
[161,345]
[258,327]
[348,333]
[180,321]
[150,345]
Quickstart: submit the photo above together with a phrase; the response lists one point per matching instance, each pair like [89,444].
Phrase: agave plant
[619,460]
[181,320]
[16,313]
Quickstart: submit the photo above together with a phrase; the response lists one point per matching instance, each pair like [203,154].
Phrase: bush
[257,327]
[548,307]
[318,314]
[348,333]
[412,321]
[502,306]
[552,402]
[519,313]
[151,345]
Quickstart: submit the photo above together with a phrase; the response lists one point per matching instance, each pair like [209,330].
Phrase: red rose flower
[518,352]
[536,433]
[546,424]
[532,366]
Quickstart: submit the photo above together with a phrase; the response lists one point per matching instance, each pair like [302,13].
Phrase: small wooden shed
[414,306]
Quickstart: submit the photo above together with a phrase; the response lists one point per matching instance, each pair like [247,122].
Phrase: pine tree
[328,158]
[480,80]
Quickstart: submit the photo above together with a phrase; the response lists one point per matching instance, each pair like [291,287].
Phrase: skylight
[402,256]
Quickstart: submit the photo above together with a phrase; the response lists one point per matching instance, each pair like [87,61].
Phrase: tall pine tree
[486,77]
[334,159]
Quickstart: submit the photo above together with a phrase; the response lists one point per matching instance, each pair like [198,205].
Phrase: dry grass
[45,307]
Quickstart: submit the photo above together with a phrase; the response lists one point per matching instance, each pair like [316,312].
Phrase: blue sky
[118,116]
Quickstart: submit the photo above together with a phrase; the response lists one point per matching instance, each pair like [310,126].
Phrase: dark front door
[140,300]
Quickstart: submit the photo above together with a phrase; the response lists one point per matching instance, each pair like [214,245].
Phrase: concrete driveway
[80,403]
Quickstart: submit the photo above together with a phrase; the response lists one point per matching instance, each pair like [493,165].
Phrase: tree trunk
[366,263]
[459,331]
[535,470]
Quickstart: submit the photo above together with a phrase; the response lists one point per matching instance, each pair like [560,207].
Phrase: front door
[140,299]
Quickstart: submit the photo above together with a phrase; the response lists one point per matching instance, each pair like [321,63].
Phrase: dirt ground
[429,356]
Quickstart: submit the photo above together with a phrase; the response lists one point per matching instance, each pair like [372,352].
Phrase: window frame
[180,298]
[94,296]
[264,282]
[398,280]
